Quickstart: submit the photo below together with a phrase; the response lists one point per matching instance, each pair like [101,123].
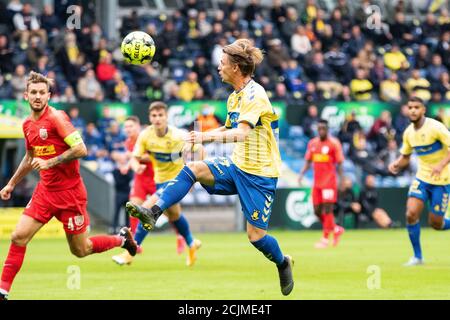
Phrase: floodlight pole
[106,12]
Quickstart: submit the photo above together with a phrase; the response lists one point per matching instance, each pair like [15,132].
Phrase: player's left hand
[194,137]
[436,171]
[39,164]
[5,193]
[394,168]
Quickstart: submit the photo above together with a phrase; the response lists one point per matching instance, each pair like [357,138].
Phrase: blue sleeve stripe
[274,124]
[166,157]
[428,149]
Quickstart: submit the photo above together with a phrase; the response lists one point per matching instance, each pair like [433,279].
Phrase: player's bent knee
[79,252]
[255,234]
[195,167]
[436,224]
[172,216]
[411,217]
[19,239]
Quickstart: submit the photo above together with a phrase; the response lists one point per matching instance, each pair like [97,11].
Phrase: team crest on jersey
[325,149]
[43,133]
[79,220]
[255,215]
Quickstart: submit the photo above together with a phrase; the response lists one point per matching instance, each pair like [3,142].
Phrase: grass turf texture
[229,267]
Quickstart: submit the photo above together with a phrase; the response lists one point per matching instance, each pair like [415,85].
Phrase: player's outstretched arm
[220,129]
[305,168]
[193,152]
[399,164]
[23,169]
[136,166]
[238,134]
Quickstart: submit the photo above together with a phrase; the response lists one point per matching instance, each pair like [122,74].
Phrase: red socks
[133,224]
[323,221]
[328,223]
[12,265]
[104,243]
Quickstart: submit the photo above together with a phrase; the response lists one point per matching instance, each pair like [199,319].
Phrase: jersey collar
[245,86]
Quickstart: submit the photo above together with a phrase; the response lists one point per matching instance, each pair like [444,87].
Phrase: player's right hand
[394,168]
[140,169]
[5,193]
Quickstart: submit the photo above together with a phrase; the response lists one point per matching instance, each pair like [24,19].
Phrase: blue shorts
[436,194]
[256,193]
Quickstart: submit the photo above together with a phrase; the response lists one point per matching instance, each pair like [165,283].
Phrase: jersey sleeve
[139,147]
[406,148]
[443,134]
[251,111]
[66,130]
[27,143]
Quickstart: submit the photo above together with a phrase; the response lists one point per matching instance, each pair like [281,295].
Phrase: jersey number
[414,186]
[328,194]
[70,225]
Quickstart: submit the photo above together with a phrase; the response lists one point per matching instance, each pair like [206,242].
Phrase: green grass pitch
[230,268]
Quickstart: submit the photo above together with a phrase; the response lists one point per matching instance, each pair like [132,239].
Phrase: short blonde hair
[35,77]
[245,55]
[157,105]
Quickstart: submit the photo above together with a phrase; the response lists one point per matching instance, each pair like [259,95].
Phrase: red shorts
[142,187]
[68,206]
[324,195]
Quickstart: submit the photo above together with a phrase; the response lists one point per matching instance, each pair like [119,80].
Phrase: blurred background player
[143,181]
[430,139]
[164,146]
[325,153]
[368,199]
[253,170]
[53,147]
[143,185]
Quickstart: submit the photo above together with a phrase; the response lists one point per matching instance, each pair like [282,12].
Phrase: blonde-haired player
[252,171]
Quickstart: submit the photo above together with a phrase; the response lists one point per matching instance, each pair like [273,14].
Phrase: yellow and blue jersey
[259,153]
[165,152]
[431,143]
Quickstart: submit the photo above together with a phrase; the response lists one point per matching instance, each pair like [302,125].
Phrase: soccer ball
[138,48]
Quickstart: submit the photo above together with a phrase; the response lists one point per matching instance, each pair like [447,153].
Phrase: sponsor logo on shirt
[40,151]
[318,157]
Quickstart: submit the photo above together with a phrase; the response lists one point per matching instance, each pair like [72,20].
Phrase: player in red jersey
[325,153]
[143,184]
[53,146]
